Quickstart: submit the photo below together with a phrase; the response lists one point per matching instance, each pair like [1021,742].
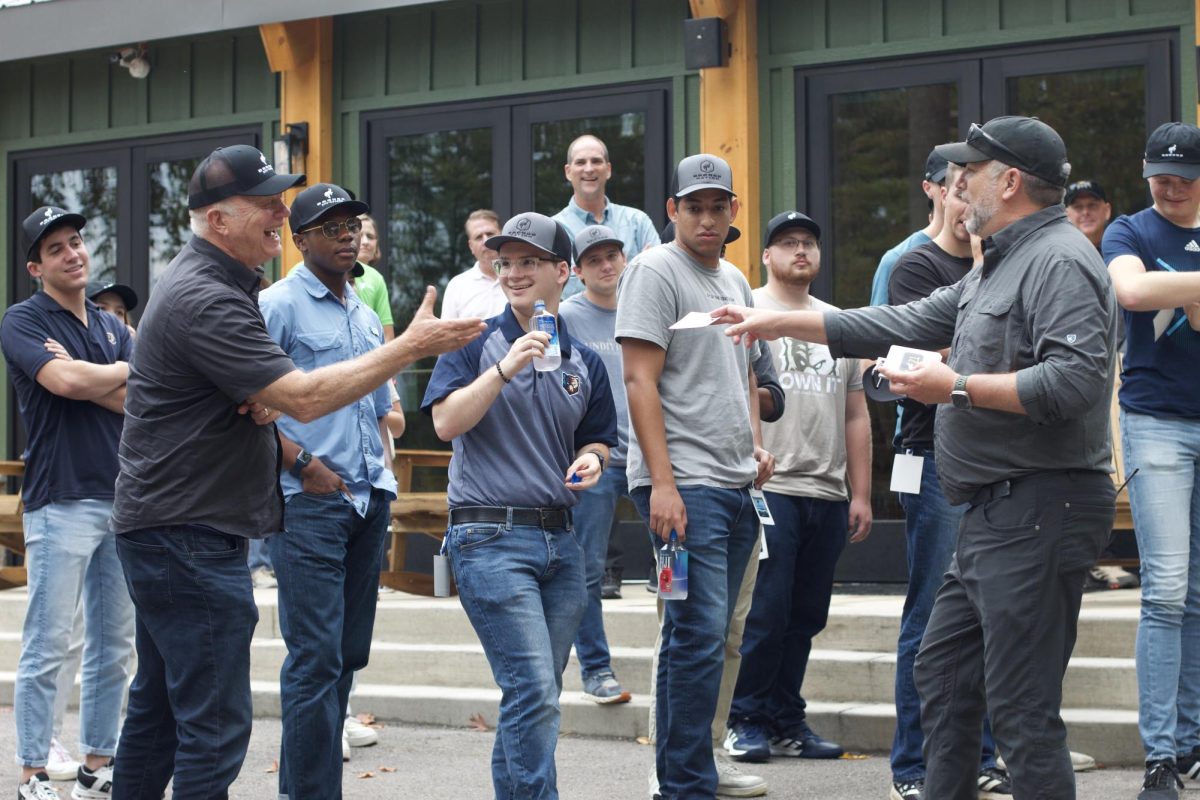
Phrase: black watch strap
[302,460]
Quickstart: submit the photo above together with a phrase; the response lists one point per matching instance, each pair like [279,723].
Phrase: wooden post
[729,119]
[302,53]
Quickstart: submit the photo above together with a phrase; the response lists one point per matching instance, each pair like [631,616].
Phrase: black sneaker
[1189,764]
[907,790]
[610,584]
[994,784]
[93,784]
[37,788]
[1162,781]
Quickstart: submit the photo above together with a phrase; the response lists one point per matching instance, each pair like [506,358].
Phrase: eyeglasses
[527,264]
[795,244]
[333,230]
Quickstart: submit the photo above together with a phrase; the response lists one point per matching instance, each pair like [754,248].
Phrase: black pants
[1002,630]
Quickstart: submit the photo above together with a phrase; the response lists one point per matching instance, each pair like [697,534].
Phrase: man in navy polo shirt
[71,406]
[525,442]
[337,492]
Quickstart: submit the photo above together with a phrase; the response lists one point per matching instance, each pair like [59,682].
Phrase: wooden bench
[12,535]
[415,513]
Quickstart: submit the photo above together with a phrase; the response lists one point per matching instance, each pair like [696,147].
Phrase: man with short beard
[1021,436]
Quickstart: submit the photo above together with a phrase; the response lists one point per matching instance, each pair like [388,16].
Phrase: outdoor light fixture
[289,147]
[133,59]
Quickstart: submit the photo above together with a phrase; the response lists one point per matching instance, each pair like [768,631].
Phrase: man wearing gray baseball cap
[1021,436]
[693,455]
[199,476]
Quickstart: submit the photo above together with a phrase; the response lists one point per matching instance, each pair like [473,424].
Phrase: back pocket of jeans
[147,570]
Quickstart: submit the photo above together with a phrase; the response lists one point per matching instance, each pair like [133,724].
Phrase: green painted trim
[9,146]
[1188,91]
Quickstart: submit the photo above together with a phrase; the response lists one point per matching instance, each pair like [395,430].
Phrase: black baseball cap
[877,387]
[538,230]
[1026,143]
[789,219]
[318,200]
[1084,187]
[128,295]
[702,171]
[667,235]
[1173,149]
[44,220]
[236,170]
[935,167]
[594,235]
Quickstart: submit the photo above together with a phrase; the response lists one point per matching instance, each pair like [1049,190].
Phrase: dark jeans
[930,531]
[721,533]
[189,708]
[1002,630]
[790,607]
[327,565]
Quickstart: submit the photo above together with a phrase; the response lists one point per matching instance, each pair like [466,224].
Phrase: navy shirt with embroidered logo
[1159,375]
[72,452]
[519,452]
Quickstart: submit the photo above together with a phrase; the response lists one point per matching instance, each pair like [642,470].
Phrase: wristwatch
[302,461]
[959,395]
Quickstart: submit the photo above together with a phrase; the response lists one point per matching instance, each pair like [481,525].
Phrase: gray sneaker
[1162,781]
[732,782]
[604,689]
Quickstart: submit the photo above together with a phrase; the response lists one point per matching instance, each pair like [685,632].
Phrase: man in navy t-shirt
[1154,260]
[68,363]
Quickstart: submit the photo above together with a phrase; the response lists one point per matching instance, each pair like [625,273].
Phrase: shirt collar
[1000,243]
[312,284]
[248,280]
[512,330]
[47,303]
[586,215]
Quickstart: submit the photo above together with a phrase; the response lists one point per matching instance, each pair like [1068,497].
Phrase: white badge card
[906,473]
[760,507]
[902,359]
[762,544]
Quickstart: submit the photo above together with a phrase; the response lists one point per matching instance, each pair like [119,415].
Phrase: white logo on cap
[1170,152]
[50,217]
[265,167]
[1171,149]
[329,192]
[793,215]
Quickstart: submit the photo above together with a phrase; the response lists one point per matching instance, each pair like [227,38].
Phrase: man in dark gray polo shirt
[200,462]
[1022,437]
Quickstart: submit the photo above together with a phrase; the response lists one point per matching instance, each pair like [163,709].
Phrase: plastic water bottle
[673,570]
[546,323]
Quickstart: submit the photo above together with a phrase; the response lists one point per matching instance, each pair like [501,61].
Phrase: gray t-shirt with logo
[596,328]
[704,384]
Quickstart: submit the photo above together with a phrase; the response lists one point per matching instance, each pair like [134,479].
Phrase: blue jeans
[790,607]
[1165,498]
[69,551]
[327,565]
[523,590]
[593,522]
[722,531]
[260,554]
[189,708]
[930,529]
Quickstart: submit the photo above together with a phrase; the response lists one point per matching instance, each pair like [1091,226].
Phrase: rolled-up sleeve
[1069,320]
[868,332]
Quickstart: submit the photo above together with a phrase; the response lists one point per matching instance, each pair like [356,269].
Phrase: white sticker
[906,473]
[761,507]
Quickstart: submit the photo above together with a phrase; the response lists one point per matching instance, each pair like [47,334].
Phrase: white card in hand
[760,507]
[693,319]
[906,473]
[902,359]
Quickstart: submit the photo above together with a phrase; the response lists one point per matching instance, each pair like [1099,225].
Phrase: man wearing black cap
[337,493]
[68,364]
[1154,259]
[820,491]
[1021,437]
[200,472]
[115,298]
[693,455]
[527,440]
[931,184]
[1088,209]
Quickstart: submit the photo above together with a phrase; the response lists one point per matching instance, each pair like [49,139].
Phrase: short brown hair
[481,213]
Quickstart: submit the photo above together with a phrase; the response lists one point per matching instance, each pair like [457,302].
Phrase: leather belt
[509,515]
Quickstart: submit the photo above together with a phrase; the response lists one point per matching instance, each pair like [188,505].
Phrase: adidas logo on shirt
[1192,247]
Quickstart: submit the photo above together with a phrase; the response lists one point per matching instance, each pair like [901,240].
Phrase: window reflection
[623,134]
[92,192]
[168,217]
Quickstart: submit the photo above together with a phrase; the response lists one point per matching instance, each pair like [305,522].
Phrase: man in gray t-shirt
[693,454]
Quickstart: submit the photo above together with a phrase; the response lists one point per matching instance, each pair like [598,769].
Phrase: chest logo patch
[112,337]
[571,383]
[1192,247]
[1071,338]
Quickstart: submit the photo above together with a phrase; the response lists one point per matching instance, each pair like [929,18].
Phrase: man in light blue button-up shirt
[588,170]
[338,491]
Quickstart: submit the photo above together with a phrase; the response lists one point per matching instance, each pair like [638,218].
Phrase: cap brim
[275,185]
[701,187]
[596,244]
[1186,171]
[496,242]
[938,176]
[878,388]
[961,153]
[733,235]
[76,221]
[788,224]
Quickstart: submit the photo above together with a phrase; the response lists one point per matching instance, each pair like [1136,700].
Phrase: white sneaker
[358,734]
[1080,762]
[732,782]
[60,765]
[93,784]
[37,788]
[653,781]
[345,749]
[264,578]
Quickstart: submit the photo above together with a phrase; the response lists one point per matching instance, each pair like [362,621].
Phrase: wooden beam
[729,119]
[302,53]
